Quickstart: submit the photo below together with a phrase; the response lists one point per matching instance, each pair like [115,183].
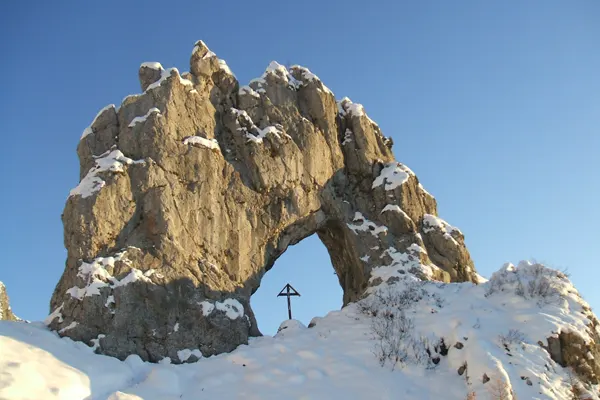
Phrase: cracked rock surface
[191,190]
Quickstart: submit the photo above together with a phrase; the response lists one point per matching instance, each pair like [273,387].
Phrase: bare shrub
[395,341]
[576,388]
[514,336]
[564,273]
[389,333]
[494,285]
[411,293]
[394,332]
[393,299]
[520,289]
[540,283]
[499,389]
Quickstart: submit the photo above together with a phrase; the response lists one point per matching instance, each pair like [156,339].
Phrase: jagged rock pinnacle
[5,310]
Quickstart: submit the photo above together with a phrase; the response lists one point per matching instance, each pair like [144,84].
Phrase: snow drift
[490,341]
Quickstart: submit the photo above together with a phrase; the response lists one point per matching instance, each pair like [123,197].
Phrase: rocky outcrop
[5,310]
[191,190]
[574,350]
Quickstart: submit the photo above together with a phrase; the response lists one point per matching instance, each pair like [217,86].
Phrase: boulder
[571,349]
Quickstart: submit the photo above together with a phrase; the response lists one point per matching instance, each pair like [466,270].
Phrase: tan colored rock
[191,190]
[570,349]
[5,310]
[149,73]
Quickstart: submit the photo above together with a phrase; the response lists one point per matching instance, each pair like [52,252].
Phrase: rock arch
[190,191]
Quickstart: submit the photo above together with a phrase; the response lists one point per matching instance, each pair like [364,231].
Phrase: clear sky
[494,105]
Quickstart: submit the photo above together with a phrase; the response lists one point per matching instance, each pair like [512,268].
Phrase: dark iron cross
[288,291]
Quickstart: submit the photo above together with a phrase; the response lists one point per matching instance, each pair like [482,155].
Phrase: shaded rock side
[571,349]
[5,310]
[191,190]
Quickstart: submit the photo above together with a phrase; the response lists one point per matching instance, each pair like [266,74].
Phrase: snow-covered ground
[490,330]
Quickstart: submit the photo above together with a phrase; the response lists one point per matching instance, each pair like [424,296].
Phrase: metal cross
[288,291]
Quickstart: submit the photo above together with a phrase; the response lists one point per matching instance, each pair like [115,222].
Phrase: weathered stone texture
[5,310]
[191,190]
[570,349]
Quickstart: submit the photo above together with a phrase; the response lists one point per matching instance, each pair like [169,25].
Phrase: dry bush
[576,388]
[514,336]
[395,340]
[543,287]
[394,332]
[541,284]
[393,298]
[500,389]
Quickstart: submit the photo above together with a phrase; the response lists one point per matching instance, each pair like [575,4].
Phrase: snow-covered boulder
[149,73]
[313,322]
[526,332]
[289,326]
[575,343]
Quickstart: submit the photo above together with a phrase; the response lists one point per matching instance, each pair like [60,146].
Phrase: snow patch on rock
[96,342]
[97,274]
[89,130]
[57,313]
[431,223]
[185,354]
[248,90]
[232,308]
[70,326]
[139,120]
[392,175]
[424,190]
[207,308]
[166,74]
[202,142]
[112,161]
[282,73]
[392,207]
[364,225]
[402,264]
[347,107]
[347,136]
[152,65]
[225,68]
[308,76]
[253,133]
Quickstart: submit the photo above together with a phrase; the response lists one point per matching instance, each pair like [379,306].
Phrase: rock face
[5,311]
[190,192]
[570,349]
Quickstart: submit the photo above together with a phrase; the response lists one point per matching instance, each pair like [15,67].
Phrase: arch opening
[306,266]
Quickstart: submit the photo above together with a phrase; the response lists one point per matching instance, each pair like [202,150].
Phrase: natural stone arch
[192,189]
[337,240]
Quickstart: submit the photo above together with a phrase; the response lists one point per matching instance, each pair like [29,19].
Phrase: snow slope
[488,330]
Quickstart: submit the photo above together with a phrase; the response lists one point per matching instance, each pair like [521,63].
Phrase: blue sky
[495,106]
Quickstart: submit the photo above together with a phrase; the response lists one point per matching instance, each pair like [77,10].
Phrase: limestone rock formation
[5,311]
[191,190]
[571,349]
